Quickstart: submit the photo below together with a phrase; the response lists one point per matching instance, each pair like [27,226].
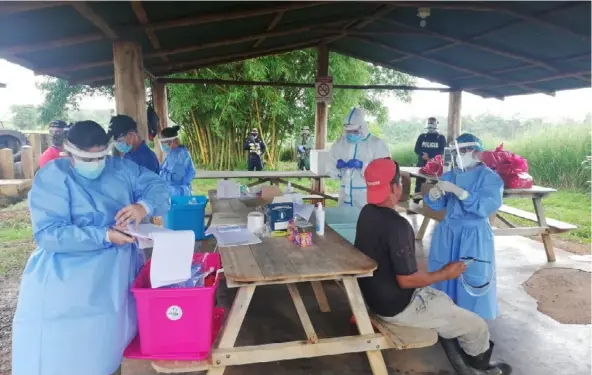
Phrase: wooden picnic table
[545,227]
[278,261]
[274,177]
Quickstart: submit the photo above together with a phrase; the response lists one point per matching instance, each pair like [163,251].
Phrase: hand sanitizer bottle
[289,189]
[320,216]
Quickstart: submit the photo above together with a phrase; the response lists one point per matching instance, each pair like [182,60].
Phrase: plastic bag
[521,180]
[197,279]
[434,167]
[512,168]
[494,158]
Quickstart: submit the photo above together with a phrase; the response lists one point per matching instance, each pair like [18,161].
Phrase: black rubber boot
[464,364]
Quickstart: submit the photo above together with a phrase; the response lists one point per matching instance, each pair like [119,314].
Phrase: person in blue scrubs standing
[75,313]
[470,193]
[127,141]
[177,169]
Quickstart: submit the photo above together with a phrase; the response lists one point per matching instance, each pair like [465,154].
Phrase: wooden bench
[555,226]
[403,338]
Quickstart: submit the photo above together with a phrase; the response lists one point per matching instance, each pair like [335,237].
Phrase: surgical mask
[123,147]
[89,169]
[255,134]
[353,138]
[432,129]
[466,160]
[165,148]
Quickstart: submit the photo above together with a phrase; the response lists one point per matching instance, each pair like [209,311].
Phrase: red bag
[496,157]
[434,167]
[520,180]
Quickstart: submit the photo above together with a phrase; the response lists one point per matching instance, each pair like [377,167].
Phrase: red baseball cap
[379,176]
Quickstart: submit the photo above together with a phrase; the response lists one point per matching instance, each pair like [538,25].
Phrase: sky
[575,104]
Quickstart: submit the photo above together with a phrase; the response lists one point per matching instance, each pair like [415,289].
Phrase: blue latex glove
[341,164]
[355,164]
[301,148]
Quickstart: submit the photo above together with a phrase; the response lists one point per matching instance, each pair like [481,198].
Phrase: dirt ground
[8,297]
[562,293]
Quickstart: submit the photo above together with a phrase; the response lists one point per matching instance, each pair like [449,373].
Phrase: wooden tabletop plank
[256,174]
[278,259]
[239,264]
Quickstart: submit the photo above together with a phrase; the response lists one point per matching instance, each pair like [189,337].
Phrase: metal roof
[492,49]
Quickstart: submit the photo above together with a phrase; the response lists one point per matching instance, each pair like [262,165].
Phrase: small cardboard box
[268,193]
[319,160]
[439,215]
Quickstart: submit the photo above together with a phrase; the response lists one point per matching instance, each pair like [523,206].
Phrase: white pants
[431,308]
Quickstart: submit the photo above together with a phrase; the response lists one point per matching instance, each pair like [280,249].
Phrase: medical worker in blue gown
[350,156]
[177,169]
[470,193]
[75,313]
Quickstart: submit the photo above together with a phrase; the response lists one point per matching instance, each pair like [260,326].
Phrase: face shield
[463,154]
[166,143]
[88,164]
[121,144]
[432,125]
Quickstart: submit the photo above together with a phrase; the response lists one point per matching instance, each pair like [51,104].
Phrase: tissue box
[319,160]
[279,215]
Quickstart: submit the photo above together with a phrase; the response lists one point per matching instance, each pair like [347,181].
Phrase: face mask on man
[165,148]
[353,138]
[466,160]
[123,147]
[89,169]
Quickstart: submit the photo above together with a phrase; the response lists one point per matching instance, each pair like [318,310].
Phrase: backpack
[152,122]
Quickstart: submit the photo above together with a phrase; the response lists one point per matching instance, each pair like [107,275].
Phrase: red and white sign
[324,89]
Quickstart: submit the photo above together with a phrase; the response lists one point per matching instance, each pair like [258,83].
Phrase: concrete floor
[533,343]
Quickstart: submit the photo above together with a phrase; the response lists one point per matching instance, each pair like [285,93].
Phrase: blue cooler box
[187,213]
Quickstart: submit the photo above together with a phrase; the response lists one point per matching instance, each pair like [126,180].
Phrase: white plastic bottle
[320,216]
[289,189]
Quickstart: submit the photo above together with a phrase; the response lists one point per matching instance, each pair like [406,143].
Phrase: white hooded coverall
[352,190]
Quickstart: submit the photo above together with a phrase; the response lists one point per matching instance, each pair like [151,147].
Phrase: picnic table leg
[319,292]
[423,228]
[547,240]
[258,182]
[234,322]
[302,314]
[356,301]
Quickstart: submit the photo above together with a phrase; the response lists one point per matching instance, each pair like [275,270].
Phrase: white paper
[228,236]
[172,256]
[303,210]
[143,233]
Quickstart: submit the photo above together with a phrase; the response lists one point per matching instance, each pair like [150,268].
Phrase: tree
[25,116]
[60,98]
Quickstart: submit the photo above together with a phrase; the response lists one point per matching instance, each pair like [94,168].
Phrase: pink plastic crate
[175,321]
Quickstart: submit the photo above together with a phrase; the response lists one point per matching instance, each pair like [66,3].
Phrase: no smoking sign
[324,89]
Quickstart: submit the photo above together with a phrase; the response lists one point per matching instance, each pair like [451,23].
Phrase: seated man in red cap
[399,293]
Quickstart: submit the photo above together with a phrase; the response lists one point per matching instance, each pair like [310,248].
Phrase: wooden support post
[454,104]
[6,164]
[322,111]
[159,98]
[547,240]
[35,141]
[130,91]
[27,163]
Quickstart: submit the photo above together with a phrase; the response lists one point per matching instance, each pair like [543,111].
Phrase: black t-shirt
[388,238]
[432,144]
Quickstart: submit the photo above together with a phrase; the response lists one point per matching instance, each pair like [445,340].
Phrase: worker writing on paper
[305,144]
[58,130]
[469,193]
[75,314]
[428,146]
[177,169]
[127,141]
[256,148]
[350,156]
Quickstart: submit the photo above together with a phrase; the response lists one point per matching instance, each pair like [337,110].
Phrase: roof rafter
[278,17]
[494,7]
[446,64]
[86,11]
[143,18]
[12,7]
[161,25]
[538,80]
[174,51]
[359,23]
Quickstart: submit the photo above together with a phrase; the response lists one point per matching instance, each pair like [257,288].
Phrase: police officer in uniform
[255,147]
[428,146]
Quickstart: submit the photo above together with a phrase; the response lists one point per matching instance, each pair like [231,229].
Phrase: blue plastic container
[187,213]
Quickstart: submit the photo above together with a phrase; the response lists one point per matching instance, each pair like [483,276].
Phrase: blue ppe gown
[178,171]
[144,157]
[75,312]
[466,232]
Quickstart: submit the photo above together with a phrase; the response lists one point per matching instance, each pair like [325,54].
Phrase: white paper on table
[172,256]
[228,236]
[303,210]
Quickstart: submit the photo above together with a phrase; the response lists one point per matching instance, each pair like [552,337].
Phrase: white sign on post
[324,89]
